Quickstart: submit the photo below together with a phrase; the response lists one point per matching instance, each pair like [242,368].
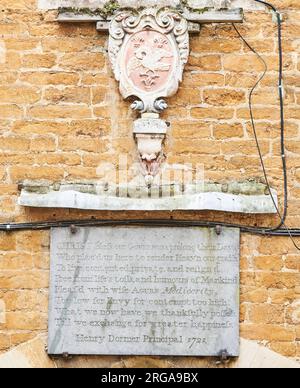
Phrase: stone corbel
[150,133]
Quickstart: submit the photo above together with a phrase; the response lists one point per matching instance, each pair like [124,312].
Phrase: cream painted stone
[2,52]
[257,356]
[256,204]
[2,312]
[31,354]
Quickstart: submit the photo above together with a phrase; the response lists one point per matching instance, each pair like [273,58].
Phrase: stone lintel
[213,201]
[209,16]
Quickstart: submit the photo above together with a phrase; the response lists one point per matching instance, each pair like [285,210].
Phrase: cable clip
[277,17]
[8,227]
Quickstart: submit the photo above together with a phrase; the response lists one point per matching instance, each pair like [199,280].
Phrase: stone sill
[54,4]
[73,197]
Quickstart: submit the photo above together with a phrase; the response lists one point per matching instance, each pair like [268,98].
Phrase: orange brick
[191,130]
[244,147]
[60,112]
[21,173]
[254,295]
[61,158]
[79,95]
[204,45]
[87,61]
[50,78]
[17,300]
[84,173]
[263,332]
[33,241]
[26,321]
[10,261]
[32,279]
[7,241]
[185,97]
[278,280]
[38,61]
[99,95]
[281,296]
[19,95]
[225,131]
[21,44]
[242,63]
[11,112]
[223,97]
[4,341]
[205,63]
[13,143]
[81,144]
[196,146]
[200,79]
[21,337]
[39,144]
[288,349]
[212,113]
[268,263]
[292,262]
[265,313]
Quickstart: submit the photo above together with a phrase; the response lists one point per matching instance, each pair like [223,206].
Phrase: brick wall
[61,115]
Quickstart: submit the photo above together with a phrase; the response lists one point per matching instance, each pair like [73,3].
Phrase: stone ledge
[54,4]
[93,198]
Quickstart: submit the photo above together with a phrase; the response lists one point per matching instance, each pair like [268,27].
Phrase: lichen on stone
[184,5]
[107,10]
[111,6]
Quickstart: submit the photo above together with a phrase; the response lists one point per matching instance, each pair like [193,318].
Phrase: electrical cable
[282,126]
[277,231]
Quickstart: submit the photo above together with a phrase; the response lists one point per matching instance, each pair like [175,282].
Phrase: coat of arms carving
[148,50]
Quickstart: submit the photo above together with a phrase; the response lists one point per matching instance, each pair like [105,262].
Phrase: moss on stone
[184,4]
[107,10]
[111,6]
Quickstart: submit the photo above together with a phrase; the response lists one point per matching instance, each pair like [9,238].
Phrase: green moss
[107,10]
[111,6]
[184,5]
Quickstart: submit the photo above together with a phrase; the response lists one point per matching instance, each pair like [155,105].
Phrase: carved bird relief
[149,61]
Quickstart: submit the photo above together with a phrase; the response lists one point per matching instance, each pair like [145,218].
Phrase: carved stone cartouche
[148,50]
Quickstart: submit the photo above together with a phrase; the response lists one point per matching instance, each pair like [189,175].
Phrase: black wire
[282,137]
[282,127]
[267,5]
[277,231]
[137,222]
[253,121]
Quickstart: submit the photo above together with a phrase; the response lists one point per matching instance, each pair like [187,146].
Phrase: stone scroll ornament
[148,50]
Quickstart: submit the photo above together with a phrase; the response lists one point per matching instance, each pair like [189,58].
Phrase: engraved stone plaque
[144,291]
